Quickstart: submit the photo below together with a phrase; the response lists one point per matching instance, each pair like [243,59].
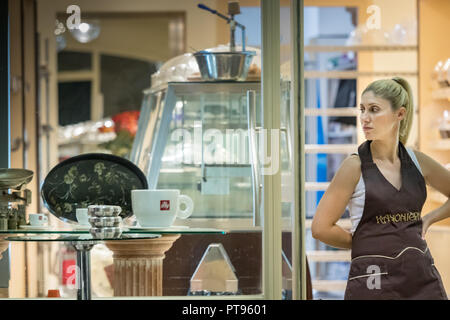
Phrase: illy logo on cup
[164,205]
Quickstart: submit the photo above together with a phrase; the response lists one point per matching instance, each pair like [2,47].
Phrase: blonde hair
[398,92]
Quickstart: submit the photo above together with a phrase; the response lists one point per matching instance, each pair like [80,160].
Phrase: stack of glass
[105,221]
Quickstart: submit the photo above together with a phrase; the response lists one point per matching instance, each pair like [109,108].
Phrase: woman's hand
[438,177]
[435,216]
[426,223]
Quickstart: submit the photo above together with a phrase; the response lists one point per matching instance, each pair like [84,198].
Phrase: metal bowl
[224,66]
[102,233]
[102,222]
[104,210]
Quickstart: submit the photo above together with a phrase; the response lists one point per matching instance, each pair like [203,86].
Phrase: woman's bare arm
[438,177]
[333,203]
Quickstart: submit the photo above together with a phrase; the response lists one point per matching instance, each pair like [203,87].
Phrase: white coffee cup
[159,208]
[38,219]
[82,216]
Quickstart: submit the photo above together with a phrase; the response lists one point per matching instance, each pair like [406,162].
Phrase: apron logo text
[399,217]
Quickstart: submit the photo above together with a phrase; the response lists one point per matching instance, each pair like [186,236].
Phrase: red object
[164,205]
[106,129]
[68,272]
[53,294]
[127,120]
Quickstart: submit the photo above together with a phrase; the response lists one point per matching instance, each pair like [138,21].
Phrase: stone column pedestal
[3,245]
[138,265]
[4,292]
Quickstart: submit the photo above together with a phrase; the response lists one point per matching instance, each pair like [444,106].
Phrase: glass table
[83,242]
[125,230]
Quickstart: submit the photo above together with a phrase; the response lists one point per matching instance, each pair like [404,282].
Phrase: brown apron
[390,260]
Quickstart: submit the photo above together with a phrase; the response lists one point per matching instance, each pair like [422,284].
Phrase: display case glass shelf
[330,48]
[442,93]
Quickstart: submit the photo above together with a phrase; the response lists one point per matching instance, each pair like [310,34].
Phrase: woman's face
[378,120]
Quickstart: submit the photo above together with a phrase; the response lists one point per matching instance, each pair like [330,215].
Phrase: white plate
[174,228]
[81,227]
[87,228]
[28,227]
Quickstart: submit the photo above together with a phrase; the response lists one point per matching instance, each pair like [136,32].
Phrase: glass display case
[202,138]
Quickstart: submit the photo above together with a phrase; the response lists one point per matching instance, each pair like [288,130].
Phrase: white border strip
[367,275]
[392,258]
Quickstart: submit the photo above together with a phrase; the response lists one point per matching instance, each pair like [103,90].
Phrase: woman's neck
[385,150]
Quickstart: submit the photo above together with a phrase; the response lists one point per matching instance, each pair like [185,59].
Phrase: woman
[384,186]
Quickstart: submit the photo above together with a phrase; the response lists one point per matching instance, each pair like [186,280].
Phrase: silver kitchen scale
[14,197]
[229,65]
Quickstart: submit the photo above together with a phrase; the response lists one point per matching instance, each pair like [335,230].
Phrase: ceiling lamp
[86,31]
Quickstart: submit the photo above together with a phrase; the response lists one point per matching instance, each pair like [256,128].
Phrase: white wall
[200,25]
[311,24]
[334,21]
[200,33]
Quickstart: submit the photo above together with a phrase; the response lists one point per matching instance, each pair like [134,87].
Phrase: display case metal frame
[160,130]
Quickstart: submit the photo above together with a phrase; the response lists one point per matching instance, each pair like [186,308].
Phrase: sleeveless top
[356,203]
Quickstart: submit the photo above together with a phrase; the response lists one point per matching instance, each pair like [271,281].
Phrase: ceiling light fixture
[86,31]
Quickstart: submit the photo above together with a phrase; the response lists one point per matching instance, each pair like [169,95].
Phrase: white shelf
[329,285]
[341,134]
[89,138]
[441,94]
[334,112]
[329,255]
[180,170]
[324,48]
[316,186]
[331,148]
[69,76]
[355,74]
[441,144]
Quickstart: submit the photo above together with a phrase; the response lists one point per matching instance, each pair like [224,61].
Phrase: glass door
[257,200]
[295,273]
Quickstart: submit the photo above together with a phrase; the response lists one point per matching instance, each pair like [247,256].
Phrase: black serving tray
[93,178]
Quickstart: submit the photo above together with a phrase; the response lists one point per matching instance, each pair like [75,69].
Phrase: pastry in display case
[14,197]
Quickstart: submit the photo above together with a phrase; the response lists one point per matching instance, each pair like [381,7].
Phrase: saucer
[171,228]
[29,227]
